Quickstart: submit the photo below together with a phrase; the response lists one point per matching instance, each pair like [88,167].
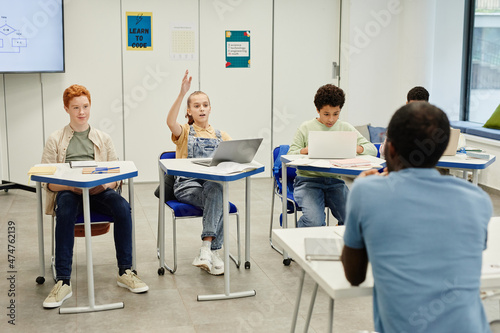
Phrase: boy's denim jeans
[109,202]
[313,194]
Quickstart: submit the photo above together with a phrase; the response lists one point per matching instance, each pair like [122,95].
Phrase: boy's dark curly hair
[417,94]
[329,95]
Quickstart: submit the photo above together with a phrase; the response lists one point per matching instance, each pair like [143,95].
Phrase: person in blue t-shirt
[425,239]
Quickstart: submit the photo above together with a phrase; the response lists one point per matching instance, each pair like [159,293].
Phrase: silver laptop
[451,149]
[332,144]
[239,151]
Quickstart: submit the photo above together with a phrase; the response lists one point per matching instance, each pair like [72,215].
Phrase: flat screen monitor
[31,36]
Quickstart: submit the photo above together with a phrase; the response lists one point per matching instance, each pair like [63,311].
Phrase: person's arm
[365,147]
[299,144]
[49,156]
[355,262]
[172,122]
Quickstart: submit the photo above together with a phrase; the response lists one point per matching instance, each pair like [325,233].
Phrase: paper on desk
[301,161]
[225,168]
[490,268]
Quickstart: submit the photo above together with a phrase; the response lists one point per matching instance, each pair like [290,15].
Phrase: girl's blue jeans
[207,196]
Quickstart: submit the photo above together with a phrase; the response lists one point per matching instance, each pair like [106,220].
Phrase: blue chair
[181,210]
[292,206]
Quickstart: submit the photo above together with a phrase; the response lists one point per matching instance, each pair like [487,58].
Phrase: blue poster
[139,31]
[237,49]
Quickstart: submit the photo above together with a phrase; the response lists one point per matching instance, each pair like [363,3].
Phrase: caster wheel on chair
[40,280]
[287,261]
[247,264]
[161,271]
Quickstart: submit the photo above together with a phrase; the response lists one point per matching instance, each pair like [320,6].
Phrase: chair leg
[174,246]
[53,251]
[237,261]
[271,227]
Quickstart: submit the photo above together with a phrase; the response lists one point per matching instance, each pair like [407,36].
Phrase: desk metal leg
[284,216]
[297,302]
[227,294]
[90,270]
[311,307]
[41,254]
[132,213]
[330,319]
[161,229]
[247,223]
[475,176]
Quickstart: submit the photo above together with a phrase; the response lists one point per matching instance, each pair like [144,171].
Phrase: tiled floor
[170,305]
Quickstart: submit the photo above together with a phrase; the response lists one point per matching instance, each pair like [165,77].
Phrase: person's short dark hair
[329,95]
[417,94]
[419,133]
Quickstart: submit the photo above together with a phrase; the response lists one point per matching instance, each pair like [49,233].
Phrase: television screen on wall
[31,36]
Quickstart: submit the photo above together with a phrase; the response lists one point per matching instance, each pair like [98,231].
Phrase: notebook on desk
[332,144]
[451,149]
[323,248]
[239,151]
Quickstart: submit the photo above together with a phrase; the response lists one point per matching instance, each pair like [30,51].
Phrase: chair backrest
[168,180]
[291,172]
[167,155]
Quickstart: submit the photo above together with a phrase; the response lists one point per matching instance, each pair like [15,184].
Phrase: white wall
[151,83]
[240,97]
[448,56]
[395,45]
[305,46]
[388,47]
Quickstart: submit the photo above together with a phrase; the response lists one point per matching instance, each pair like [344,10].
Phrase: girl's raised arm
[172,122]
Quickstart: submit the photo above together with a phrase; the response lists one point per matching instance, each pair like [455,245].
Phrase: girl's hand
[186,83]
[359,149]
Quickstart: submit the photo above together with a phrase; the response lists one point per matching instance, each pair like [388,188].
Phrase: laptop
[239,151]
[451,149]
[332,144]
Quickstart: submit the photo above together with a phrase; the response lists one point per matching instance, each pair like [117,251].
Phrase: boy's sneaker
[217,264]
[132,282]
[59,293]
[204,259]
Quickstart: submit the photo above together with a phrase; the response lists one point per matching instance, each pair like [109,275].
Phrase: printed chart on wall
[183,41]
[140,31]
[237,49]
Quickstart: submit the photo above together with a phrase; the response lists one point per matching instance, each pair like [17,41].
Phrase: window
[482,88]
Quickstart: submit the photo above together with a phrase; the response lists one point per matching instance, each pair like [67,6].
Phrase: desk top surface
[458,161]
[301,162]
[65,175]
[461,161]
[186,168]
[330,274]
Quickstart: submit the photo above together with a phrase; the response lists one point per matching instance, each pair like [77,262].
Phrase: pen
[103,169]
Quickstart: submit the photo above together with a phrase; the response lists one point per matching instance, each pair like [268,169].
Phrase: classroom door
[306,44]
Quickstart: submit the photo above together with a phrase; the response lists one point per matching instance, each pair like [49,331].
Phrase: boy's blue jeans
[313,194]
[109,202]
[207,196]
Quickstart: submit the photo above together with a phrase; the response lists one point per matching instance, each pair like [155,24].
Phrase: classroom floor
[171,304]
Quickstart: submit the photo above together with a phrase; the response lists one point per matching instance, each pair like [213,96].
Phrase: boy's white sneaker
[204,259]
[217,264]
[59,293]
[132,282]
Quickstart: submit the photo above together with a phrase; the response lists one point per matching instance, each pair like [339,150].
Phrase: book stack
[42,170]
